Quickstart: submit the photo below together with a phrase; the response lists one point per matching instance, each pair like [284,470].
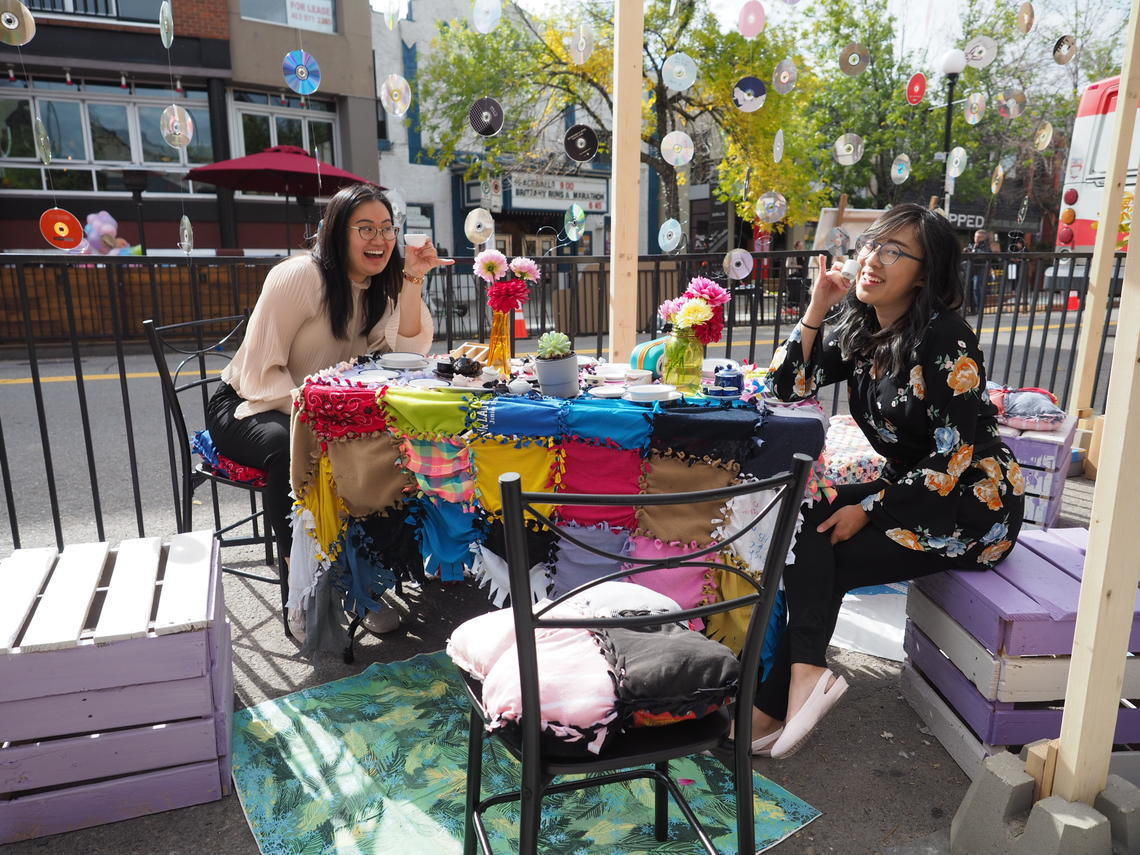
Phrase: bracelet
[415,280]
[803,323]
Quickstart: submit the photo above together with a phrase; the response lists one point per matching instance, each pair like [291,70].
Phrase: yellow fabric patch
[491,458]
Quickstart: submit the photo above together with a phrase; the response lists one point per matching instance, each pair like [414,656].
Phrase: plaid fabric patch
[442,468]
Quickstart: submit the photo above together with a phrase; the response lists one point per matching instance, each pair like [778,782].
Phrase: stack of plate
[397,361]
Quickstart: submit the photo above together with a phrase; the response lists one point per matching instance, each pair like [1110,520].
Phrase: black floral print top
[950,485]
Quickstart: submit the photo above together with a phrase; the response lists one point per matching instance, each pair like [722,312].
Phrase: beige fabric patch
[368,474]
[305,451]
[682,523]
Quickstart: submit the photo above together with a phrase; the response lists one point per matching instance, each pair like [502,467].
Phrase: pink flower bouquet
[700,308]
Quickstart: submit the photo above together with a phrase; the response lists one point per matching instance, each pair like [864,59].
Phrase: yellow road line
[70,378]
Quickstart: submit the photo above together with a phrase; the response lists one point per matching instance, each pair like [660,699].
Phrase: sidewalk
[883,783]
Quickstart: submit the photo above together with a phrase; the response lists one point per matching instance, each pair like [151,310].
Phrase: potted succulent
[556,365]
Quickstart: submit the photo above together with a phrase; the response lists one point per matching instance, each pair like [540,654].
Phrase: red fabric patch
[339,411]
[599,469]
[239,472]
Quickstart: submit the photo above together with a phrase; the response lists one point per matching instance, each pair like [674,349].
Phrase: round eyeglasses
[888,252]
[369,232]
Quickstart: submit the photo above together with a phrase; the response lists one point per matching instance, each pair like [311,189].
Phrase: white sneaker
[382,620]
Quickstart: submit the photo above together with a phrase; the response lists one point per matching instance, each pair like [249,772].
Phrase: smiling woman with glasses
[369,232]
[951,493]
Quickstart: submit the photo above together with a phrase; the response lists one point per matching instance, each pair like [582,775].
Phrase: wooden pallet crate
[1044,457]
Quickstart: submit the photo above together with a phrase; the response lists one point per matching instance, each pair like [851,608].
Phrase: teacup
[414,239]
[638,377]
[593,379]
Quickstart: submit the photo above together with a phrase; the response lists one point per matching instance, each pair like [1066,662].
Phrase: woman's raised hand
[830,287]
[418,260]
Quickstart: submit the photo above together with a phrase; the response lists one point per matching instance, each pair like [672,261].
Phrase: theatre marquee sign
[558,192]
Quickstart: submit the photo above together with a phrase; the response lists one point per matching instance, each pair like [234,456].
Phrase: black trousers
[260,440]
[821,575]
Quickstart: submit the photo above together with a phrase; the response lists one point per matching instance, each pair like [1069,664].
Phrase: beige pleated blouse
[289,337]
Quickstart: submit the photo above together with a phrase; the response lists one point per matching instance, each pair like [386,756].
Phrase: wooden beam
[625,186]
[1108,591]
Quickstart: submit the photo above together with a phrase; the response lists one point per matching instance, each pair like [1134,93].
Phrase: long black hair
[858,331]
[330,250]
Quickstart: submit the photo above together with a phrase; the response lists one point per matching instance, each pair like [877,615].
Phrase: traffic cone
[520,324]
[1074,302]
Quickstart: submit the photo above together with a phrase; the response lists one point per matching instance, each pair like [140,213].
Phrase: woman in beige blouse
[353,294]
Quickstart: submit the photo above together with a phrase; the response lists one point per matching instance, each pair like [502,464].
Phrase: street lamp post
[953,64]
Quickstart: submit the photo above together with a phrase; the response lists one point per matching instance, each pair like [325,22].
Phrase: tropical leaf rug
[375,764]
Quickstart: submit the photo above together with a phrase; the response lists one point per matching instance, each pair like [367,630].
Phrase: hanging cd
[752,19]
[395,95]
[848,149]
[748,94]
[980,51]
[778,146]
[581,43]
[43,142]
[784,76]
[398,205]
[679,71]
[916,88]
[677,148]
[485,17]
[479,226]
[166,24]
[771,207]
[185,235]
[837,241]
[1064,50]
[975,107]
[574,222]
[301,71]
[1011,103]
[996,179]
[486,117]
[669,235]
[1025,17]
[900,169]
[1043,136]
[957,164]
[17,26]
[1023,210]
[854,59]
[61,228]
[738,263]
[177,126]
[580,143]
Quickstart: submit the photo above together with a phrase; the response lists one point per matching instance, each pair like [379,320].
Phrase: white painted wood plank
[22,575]
[958,740]
[126,609]
[184,599]
[961,648]
[60,616]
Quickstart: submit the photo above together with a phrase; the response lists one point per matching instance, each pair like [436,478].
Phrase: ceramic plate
[402,361]
[373,375]
[607,391]
[429,383]
[673,396]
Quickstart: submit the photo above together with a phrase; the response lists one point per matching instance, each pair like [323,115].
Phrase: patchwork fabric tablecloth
[847,456]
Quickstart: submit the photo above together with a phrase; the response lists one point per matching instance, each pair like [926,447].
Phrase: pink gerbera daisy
[708,291]
[490,264]
[526,268]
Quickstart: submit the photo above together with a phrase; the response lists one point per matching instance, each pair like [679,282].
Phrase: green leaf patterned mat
[376,764]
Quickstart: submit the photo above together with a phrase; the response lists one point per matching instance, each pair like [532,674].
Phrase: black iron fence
[82,447]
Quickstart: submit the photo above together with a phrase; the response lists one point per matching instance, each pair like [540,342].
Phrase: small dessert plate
[373,375]
[651,392]
[607,391]
[402,361]
[429,383]
[671,396]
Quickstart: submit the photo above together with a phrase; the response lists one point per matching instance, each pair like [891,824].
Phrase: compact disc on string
[302,72]
[580,143]
[479,226]
[975,107]
[778,146]
[980,51]
[958,159]
[486,117]
[61,228]
[900,169]
[771,207]
[848,149]
[177,126]
[669,235]
[43,141]
[574,222]
[916,88]
[784,76]
[185,235]
[738,263]
[398,205]
[679,71]
[1043,136]
[854,59]
[748,94]
[752,19]
[166,24]
[1064,50]
[580,43]
[395,95]
[17,26]
[1025,17]
[996,179]
[677,148]
[837,241]
[486,14]
[1023,210]
[1011,103]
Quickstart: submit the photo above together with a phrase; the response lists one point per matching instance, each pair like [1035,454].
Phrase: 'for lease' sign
[311,15]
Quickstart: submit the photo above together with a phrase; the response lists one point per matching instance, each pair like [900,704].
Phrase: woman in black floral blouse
[951,494]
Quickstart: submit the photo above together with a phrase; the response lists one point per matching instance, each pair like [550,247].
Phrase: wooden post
[625,185]
[1108,591]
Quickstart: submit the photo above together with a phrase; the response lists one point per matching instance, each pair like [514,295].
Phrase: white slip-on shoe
[762,747]
[382,620]
[798,728]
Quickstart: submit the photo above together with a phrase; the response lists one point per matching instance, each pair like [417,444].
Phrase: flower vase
[682,361]
[499,354]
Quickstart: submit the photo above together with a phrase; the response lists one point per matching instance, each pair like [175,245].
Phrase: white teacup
[638,376]
[416,240]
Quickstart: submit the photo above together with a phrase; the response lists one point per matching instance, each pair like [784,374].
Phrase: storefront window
[16,129]
[255,132]
[110,132]
[65,127]
[289,132]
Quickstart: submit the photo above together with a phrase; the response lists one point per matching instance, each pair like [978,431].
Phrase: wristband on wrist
[415,280]
[804,323]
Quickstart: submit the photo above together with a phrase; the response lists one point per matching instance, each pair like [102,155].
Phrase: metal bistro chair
[640,752]
[204,347]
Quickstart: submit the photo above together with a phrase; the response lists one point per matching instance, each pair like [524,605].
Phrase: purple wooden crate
[1049,450]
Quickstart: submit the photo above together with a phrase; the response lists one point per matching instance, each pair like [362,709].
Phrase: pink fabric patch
[598,469]
[687,586]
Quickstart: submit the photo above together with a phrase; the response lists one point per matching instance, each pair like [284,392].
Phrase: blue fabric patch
[446,532]
[360,571]
[202,444]
[623,423]
[520,417]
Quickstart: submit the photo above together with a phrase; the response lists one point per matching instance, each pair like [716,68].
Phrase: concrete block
[1120,803]
[993,813]
[1058,827]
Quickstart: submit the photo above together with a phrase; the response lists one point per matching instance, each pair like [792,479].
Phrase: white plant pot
[558,377]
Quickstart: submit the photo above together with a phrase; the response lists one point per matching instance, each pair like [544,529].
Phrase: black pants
[260,440]
[821,575]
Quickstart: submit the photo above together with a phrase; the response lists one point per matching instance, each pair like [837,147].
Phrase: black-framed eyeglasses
[369,232]
[888,251]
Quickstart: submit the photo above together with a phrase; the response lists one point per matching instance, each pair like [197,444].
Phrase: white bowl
[651,392]
[416,240]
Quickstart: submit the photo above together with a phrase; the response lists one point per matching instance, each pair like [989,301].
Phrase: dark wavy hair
[330,250]
[857,326]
